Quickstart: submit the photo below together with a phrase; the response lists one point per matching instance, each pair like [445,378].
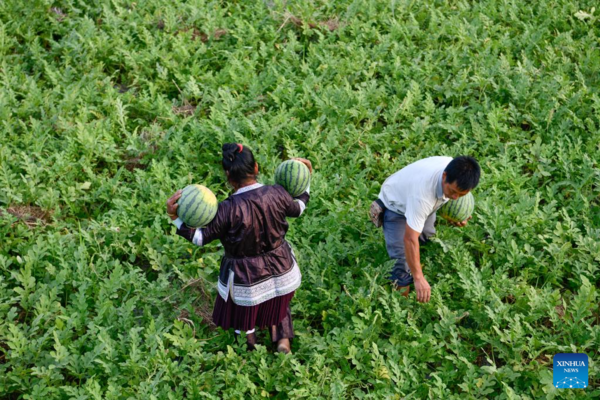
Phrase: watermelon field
[107,107]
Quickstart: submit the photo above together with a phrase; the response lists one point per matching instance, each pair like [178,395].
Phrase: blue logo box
[571,371]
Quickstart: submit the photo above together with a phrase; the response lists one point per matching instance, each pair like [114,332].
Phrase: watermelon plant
[107,106]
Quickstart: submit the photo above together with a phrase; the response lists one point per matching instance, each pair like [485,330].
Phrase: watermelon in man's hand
[197,206]
[458,210]
[294,176]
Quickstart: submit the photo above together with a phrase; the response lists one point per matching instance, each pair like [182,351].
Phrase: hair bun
[238,162]
[230,154]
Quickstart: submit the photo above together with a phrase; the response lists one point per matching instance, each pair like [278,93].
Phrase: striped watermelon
[294,176]
[197,206]
[460,209]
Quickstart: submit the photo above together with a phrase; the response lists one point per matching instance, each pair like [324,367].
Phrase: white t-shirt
[416,190]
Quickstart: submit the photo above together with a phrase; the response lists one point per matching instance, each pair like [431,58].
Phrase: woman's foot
[283,346]
[251,341]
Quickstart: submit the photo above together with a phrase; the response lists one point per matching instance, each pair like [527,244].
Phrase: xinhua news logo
[571,371]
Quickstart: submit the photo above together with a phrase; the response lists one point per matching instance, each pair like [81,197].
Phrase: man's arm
[413,259]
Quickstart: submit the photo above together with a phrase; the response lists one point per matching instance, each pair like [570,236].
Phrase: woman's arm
[194,235]
[297,205]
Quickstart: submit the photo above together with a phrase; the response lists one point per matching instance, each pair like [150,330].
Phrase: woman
[259,273]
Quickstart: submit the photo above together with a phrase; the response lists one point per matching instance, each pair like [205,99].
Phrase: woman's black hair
[465,171]
[238,160]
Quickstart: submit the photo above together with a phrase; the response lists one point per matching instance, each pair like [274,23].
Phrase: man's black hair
[465,171]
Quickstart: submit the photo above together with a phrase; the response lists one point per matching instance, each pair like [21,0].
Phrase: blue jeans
[394,227]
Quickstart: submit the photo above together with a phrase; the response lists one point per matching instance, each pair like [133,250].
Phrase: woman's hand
[305,162]
[172,205]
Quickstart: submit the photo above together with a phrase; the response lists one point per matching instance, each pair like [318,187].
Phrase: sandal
[404,290]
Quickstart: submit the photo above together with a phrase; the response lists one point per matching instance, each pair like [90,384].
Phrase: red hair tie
[240,147]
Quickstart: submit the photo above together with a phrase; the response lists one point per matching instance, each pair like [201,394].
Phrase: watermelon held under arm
[197,206]
[458,210]
[294,176]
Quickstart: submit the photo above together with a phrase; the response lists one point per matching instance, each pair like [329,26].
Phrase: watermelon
[294,176]
[197,206]
[460,209]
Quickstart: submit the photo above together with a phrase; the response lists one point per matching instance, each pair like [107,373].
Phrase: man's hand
[423,290]
[305,162]
[172,205]
[461,224]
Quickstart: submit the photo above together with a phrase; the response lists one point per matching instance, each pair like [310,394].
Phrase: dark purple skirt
[227,314]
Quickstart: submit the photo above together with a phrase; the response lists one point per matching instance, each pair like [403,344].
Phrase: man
[406,208]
